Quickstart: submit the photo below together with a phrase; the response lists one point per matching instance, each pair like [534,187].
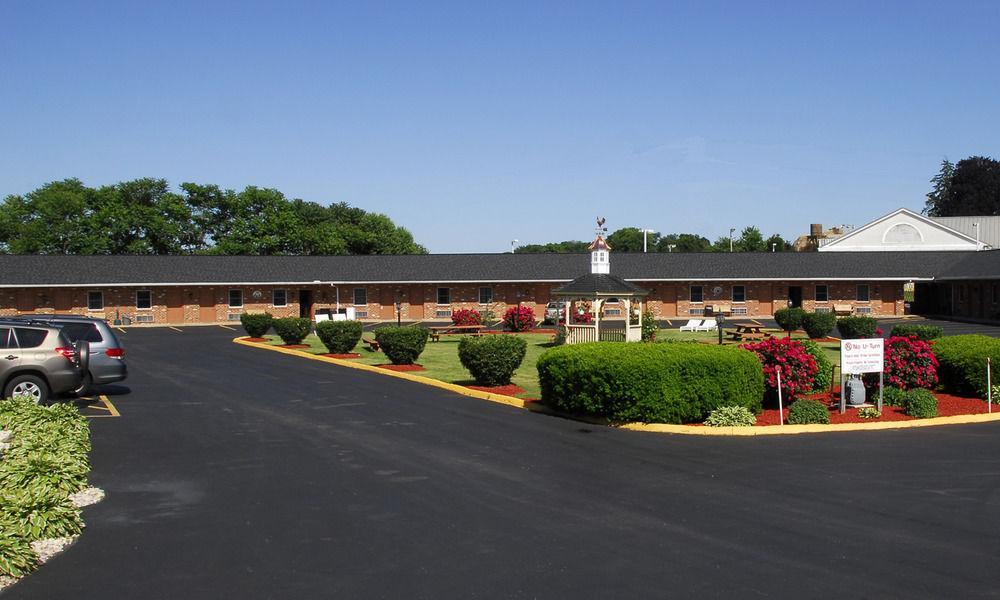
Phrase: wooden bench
[371,344]
[843,309]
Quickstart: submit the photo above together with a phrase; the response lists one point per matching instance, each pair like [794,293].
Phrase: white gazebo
[596,289]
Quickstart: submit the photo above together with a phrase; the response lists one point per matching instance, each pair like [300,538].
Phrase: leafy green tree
[972,188]
[629,239]
[780,243]
[723,244]
[684,242]
[751,240]
[566,247]
[54,219]
[937,198]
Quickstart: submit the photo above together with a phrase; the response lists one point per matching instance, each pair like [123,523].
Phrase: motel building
[863,272]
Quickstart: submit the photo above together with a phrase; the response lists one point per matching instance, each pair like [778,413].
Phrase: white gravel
[6,581]
[47,548]
[6,435]
[86,497]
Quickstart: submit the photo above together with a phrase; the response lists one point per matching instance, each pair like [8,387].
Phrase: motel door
[206,305]
[175,305]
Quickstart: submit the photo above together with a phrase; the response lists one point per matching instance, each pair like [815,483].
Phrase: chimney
[816,229]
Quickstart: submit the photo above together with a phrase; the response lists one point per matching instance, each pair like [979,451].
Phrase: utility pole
[732,230]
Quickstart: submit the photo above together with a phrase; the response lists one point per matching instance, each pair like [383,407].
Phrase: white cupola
[600,261]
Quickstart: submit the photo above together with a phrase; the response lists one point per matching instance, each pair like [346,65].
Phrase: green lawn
[441,358]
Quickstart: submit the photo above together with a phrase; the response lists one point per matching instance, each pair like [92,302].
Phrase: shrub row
[256,324]
[962,362]
[492,359]
[292,330]
[922,332]
[46,462]
[402,345]
[667,383]
[339,337]
[819,325]
[857,327]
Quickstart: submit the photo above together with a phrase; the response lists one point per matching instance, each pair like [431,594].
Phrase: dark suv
[39,361]
[107,356]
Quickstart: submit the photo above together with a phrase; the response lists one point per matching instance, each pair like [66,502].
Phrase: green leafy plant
[17,559]
[292,330]
[39,513]
[818,325]
[920,403]
[731,416]
[402,345]
[59,471]
[892,396]
[789,319]
[339,337]
[996,394]
[962,362]
[649,326]
[492,359]
[256,324]
[924,333]
[661,383]
[856,327]
[824,368]
[806,412]
[869,412]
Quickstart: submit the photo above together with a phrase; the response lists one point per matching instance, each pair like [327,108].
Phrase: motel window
[279,297]
[95,300]
[864,295]
[444,295]
[485,295]
[822,293]
[739,293]
[361,296]
[235,298]
[144,299]
[696,293]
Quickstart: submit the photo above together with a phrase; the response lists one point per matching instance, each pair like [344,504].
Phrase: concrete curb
[646,427]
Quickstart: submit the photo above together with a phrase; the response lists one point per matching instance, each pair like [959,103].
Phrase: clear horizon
[474,126]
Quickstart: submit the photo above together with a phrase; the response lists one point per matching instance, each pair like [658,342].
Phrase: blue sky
[474,124]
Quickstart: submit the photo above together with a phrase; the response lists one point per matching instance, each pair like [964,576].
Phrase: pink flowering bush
[466,316]
[519,318]
[790,358]
[910,363]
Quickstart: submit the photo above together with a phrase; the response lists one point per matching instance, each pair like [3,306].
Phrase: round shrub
[292,330]
[518,318]
[789,319]
[649,326]
[909,363]
[731,416]
[789,357]
[466,316]
[662,383]
[824,368]
[922,332]
[806,412]
[856,327]
[819,325]
[962,362]
[921,404]
[492,359]
[256,324]
[339,337]
[402,345]
[892,396]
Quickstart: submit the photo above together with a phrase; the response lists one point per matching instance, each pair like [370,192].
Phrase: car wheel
[28,386]
[86,386]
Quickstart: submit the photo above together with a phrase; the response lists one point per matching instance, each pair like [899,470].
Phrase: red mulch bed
[348,355]
[293,346]
[402,368]
[258,340]
[948,406]
[506,390]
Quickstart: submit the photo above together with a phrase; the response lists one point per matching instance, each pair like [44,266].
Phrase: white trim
[899,211]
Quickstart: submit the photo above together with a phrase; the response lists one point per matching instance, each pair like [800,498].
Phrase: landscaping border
[644,427]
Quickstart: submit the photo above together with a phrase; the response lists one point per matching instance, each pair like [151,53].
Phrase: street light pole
[732,230]
[512,242]
[773,244]
[644,232]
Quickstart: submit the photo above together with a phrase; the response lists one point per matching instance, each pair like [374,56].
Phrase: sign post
[781,410]
[858,357]
[989,386]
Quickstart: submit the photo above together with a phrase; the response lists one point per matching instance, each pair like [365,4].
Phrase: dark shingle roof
[600,283]
[23,270]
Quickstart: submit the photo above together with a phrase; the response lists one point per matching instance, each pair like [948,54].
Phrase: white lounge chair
[692,325]
[708,325]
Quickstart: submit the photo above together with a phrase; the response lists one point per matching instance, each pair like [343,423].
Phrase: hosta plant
[869,412]
[17,559]
[731,416]
[65,473]
[40,513]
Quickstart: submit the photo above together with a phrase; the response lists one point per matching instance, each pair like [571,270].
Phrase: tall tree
[937,198]
[972,188]
[780,244]
[683,242]
[566,247]
[751,240]
[629,239]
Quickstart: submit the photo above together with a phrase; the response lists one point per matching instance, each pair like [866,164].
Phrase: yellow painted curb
[647,427]
[458,389]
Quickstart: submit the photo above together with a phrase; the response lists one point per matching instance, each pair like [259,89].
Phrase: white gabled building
[902,230]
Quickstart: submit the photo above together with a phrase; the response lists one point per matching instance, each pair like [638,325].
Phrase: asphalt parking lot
[239,473]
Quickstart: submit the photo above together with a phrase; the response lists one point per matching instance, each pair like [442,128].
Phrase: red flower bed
[401,368]
[506,390]
[948,406]
[293,346]
[348,355]
[789,357]
[910,363]
[258,340]
[466,316]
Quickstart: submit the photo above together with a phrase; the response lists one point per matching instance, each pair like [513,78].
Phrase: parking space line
[120,329]
[228,327]
[176,329]
[109,407]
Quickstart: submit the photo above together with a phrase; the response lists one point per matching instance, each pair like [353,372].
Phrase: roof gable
[901,229]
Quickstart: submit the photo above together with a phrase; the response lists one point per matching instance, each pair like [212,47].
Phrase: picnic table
[746,332]
[436,332]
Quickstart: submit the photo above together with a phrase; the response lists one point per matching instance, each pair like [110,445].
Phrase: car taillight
[115,352]
[67,351]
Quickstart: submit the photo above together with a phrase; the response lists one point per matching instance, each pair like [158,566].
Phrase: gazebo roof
[599,284]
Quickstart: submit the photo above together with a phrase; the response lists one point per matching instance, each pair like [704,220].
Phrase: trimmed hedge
[806,412]
[663,383]
[925,333]
[920,403]
[857,327]
[339,337]
[962,362]
[402,345]
[819,325]
[824,368]
[256,324]
[292,330]
[789,319]
[492,359]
